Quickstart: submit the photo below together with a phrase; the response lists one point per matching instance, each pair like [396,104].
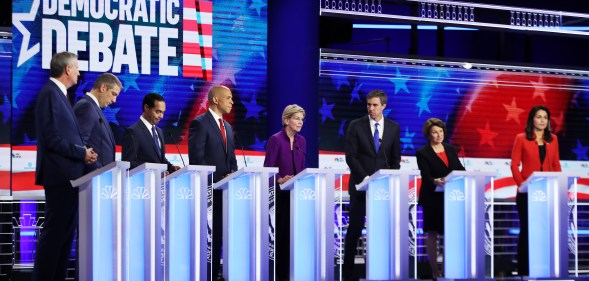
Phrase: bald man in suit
[210,142]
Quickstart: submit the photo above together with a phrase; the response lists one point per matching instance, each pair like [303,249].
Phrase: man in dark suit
[210,142]
[61,156]
[143,142]
[94,127]
[372,143]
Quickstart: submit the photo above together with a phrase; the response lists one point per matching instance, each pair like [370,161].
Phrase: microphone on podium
[241,145]
[177,148]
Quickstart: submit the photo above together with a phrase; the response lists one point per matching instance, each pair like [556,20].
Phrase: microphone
[385,154]
[177,148]
[101,121]
[240,145]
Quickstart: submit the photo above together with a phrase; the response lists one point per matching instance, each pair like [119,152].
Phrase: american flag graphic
[197,40]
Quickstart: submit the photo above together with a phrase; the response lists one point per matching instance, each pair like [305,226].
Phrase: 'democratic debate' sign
[110,35]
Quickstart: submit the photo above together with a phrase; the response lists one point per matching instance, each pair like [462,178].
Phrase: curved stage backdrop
[483,106]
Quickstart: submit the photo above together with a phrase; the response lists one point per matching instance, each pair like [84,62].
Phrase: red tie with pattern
[223,131]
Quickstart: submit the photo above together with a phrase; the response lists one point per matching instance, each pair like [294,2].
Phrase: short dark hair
[150,99]
[530,124]
[59,62]
[378,94]
[108,79]
[430,123]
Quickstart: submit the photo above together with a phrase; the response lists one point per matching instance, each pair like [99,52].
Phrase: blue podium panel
[101,222]
[464,220]
[186,223]
[246,227]
[387,256]
[312,223]
[142,223]
[548,220]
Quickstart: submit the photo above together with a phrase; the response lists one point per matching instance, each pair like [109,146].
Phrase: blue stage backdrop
[5,85]
[175,48]
[484,107]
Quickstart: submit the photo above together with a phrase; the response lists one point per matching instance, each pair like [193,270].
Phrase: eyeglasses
[298,119]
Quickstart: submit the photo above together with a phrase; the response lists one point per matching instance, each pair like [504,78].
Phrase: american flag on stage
[198,39]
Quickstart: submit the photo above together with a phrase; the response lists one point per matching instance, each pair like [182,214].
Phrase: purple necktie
[376,137]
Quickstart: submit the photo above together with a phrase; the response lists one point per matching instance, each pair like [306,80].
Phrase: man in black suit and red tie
[61,157]
[94,127]
[143,142]
[210,142]
[372,143]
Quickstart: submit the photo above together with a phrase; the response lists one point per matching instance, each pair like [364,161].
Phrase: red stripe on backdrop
[205,6]
[190,4]
[24,181]
[4,145]
[205,29]
[24,147]
[189,25]
[191,48]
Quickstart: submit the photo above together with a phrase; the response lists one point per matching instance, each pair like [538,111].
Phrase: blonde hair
[291,110]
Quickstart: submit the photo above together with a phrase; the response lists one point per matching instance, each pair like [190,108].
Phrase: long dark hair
[530,124]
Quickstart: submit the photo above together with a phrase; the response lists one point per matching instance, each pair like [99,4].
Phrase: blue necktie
[376,137]
[155,138]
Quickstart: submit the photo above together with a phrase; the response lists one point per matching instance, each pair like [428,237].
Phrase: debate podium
[312,224]
[142,229]
[547,223]
[387,256]
[186,223]
[246,223]
[464,225]
[100,228]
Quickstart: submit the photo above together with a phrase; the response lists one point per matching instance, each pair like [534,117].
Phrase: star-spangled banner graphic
[483,109]
[149,52]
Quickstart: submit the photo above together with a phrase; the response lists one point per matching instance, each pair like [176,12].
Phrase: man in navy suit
[143,142]
[210,142]
[372,143]
[94,127]
[61,157]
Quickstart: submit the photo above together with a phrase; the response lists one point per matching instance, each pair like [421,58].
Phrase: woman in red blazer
[535,150]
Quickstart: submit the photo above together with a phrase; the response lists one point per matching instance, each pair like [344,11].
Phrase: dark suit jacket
[139,147]
[60,149]
[205,145]
[526,152]
[95,132]
[360,152]
[432,167]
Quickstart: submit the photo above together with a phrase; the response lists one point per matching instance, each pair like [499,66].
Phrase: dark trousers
[55,242]
[217,233]
[523,264]
[282,234]
[357,213]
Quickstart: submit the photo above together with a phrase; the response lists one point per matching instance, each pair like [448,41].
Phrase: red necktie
[223,131]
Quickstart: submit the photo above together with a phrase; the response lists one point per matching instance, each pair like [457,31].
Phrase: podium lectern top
[288,185]
[223,184]
[148,166]
[383,173]
[191,168]
[460,173]
[87,177]
[535,176]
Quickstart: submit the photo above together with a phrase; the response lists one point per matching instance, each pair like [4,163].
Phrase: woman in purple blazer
[285,150]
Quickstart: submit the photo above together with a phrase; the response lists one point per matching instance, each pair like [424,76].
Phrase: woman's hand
[284,179]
